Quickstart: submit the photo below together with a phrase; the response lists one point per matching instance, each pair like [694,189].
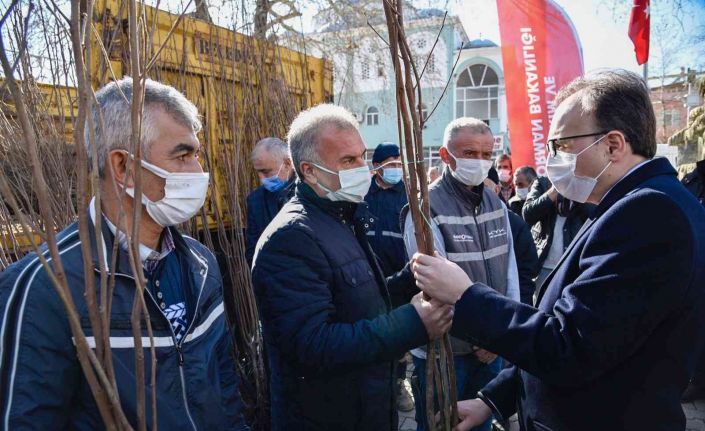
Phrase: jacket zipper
[177,345]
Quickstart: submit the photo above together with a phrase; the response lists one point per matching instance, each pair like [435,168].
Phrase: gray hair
[114,101]
[274,146]
[618,100]
[306,128]
[471,124]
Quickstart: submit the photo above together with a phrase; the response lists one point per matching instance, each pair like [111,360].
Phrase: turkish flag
[639,23]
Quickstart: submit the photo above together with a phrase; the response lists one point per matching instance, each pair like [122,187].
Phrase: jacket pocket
[357,273]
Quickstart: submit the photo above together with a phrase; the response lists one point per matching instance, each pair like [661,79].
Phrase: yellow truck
[245,89]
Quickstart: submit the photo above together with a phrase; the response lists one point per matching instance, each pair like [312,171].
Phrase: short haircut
[501,158]
[305,130]
[114,101]
[618,100]
[472,124]
[274,146]
[526,171]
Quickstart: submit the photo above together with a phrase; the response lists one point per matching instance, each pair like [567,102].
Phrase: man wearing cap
[386,198]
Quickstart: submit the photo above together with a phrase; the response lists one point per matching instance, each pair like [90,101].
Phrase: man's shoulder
[29,271]
[255,194]
[295,220]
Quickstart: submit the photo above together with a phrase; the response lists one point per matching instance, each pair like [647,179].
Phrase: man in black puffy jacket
[330,332]
[695,183]
[554,222]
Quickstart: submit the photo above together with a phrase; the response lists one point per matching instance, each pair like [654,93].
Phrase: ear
[116,165]
[306,169]
[444,155]
[617,145]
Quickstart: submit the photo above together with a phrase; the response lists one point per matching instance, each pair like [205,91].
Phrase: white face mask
[561,172]
[470,172]
[184,195]
[505,175]
[354,184]
[522,193]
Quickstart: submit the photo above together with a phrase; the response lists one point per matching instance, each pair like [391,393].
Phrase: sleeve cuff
[495,411]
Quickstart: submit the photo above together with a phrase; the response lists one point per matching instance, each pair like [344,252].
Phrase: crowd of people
[575,300]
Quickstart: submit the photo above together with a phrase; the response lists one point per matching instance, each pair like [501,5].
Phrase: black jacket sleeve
[628,284]
[538,205]
[526,257]
[291,280]
[254,228]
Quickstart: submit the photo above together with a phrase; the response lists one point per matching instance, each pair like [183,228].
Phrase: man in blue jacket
[385,200]
[271,161]
[330,331]
[610,344]
[41,382]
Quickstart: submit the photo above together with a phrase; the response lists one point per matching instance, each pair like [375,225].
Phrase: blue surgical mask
[274,183]
[391,175]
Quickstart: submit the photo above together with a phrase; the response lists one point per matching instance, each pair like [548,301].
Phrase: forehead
[468,140]
[337,143]
[170,133]
[261,155]
[571,119]
[390,160]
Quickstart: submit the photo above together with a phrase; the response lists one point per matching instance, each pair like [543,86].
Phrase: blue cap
[385,151]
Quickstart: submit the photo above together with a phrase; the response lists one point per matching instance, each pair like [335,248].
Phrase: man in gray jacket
[471,228]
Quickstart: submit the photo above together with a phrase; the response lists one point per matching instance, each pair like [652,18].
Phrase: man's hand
[485,356]
[436,316]
[440,278]
[472,413]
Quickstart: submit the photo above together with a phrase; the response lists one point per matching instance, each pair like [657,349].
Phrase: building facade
[460,78]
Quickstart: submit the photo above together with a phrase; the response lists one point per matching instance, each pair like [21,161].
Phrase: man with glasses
[609,345]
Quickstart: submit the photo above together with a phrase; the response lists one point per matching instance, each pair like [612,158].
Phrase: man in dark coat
[385,200]
[524,177]
[331,335]
[610,344]
[695,183]
[554,222]
[272,163]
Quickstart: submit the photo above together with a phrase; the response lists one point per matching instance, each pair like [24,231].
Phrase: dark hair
[618,100]
[528,172]
[503,157]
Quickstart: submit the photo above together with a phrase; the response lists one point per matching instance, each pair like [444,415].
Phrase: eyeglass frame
[551,143]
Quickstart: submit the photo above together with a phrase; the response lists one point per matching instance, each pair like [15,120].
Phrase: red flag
[541,53]
[639,23]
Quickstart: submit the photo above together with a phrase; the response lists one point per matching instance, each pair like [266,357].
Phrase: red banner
[541,53]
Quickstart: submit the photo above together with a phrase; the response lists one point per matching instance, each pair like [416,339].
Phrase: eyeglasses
[553,145]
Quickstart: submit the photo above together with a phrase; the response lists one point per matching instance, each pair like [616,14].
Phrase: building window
[365,69]
[431,63]
[672,117]
[372,116]
[477,93]
[421,44]
[380,68]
